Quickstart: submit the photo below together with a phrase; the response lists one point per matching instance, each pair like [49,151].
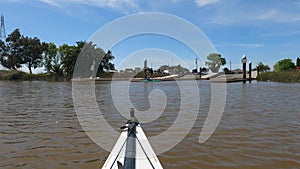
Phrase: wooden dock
[214,77]
[231,78]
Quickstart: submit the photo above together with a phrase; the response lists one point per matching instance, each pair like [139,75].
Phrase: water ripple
[259,129]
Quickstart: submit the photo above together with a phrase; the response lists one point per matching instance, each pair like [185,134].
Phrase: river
[260,127]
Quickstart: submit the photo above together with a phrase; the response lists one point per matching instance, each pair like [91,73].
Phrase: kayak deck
[132,147]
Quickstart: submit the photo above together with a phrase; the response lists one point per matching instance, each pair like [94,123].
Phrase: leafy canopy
[284,65]
[92,61]
[31,52]
[18,50]
[10,51]
[215,61]
[262,67]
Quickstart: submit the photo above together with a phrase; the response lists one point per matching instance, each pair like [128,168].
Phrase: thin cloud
[277,16]
[242,45]
[13,0]
[202,3]
[270,14]
[284,33]
[115,4]
[235,12]
[175,1]
[250,45]
[50,2]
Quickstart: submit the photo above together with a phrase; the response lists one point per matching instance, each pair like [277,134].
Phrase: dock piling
[250,71]
[244,62]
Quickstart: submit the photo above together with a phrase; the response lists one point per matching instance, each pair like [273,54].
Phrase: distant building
[137,69]
[237,71]
[166,71]
[298,64]
[128,70]
[112,71]
[145,64]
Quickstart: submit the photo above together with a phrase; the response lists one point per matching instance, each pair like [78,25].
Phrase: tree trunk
[29,67]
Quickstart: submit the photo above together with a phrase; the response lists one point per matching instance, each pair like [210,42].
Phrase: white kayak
[132,150]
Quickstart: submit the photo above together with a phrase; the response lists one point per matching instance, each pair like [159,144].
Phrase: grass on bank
[15,75]
[285,76]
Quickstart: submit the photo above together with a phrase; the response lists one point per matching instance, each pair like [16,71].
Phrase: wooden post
[145,69]
[244,62]
[179,70]
[200,72]
[250,71]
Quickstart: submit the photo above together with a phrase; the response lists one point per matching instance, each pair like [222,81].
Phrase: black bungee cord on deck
[129,160]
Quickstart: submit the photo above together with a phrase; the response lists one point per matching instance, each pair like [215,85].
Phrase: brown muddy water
[260,127]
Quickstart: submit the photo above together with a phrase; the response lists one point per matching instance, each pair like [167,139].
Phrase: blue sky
[264,30]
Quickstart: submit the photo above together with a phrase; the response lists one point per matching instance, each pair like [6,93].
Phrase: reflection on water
[260,127]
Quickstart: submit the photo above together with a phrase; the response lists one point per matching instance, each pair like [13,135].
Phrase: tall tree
[215,61]
[10,53]
[89,60]
[69,56]
[3,51]
[298,61]
[92,61]
[262,67]
[31,52]
[284,65]
[53,60]
[105,63]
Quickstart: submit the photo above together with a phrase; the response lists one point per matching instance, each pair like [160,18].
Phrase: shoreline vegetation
[19,51]
[284,76]
[15,75]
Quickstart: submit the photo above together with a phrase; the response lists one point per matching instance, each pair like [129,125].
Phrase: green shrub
[12,75]
[285,76]
[15,75]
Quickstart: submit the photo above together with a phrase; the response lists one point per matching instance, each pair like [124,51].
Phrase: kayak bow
[132,150]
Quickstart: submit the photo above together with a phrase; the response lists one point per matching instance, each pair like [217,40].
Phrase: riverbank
[15,75]
[287,77]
